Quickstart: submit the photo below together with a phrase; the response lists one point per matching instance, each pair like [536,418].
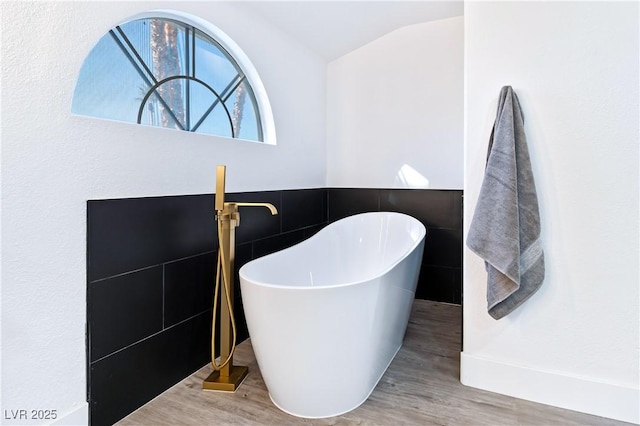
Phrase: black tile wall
[439,210]
[123,310]
[344,202]
[187,287]
[310,231]
[303,208]
[277,243]
[448,243]
[128,379]
[151,265]
[435,208]
[244,253]
[437,283]
[129,234]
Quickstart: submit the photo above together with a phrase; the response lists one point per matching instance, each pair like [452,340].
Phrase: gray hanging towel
[505,229]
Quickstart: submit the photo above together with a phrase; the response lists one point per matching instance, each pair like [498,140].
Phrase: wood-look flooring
[421,387]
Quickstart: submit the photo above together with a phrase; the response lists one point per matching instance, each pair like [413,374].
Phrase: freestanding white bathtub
[327,316]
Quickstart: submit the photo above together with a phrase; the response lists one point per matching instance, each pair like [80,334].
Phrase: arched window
[162,71]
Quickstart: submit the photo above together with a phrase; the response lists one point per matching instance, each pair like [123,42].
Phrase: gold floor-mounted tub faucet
[226,376]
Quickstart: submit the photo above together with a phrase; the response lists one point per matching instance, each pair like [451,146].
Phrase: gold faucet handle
[220,178]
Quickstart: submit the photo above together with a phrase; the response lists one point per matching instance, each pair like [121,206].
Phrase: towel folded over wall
[505,229]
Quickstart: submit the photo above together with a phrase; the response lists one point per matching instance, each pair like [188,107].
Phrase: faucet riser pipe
[229,377]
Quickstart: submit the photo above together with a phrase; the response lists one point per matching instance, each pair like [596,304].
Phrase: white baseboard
[77,417]
[551,388]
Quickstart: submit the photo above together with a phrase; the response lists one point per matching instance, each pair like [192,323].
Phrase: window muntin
[163,72]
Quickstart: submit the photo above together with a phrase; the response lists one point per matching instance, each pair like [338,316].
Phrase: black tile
[434,208]
[123,310]
[309,232]
[128,379]
[129,234]
[457,288]
[303,208]
[241,321]
[256,222]
[345,202]
[458,207]
[277,243]
[244,253]
[443,247]
[188,287]
[437,284]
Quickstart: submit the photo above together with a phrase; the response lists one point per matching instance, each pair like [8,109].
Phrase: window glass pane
[212,65]
[167,105]
[201,101]
[160,43]
[243,112]
[138,34]
[151,114]
[108,85]
[216,123]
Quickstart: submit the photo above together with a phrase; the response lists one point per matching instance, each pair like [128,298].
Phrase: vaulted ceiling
[333,28]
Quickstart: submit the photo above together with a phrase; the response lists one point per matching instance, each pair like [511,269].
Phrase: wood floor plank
[421,387]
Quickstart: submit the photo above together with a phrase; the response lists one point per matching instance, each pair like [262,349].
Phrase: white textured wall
[574,66]
[395,110]
[52,162]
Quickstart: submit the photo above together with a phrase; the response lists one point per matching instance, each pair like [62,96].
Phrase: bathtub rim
[408,252]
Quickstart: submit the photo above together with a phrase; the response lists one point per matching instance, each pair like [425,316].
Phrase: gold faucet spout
[270,206]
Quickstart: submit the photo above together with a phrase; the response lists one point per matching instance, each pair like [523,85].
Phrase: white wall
[52,162]
[398,101]
[574,66]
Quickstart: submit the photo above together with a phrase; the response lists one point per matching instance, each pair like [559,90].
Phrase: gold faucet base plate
[227,383]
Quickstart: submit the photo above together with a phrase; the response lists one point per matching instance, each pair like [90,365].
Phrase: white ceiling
[333,28]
